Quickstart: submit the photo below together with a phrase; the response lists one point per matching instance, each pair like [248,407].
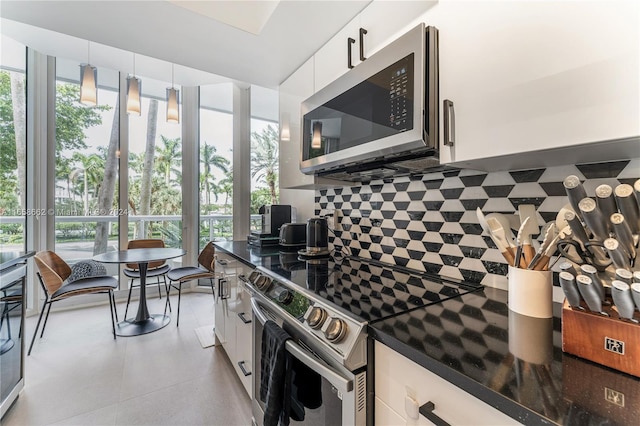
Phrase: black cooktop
[370,290]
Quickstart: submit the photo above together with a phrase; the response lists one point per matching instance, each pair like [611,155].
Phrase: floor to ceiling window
[13,119]
[264,148]
[216,161]
[86,165]
[155,169]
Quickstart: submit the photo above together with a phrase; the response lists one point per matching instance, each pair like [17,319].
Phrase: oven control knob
[317,317]
[336,330]
[253,276]
[263,282]
[285,297]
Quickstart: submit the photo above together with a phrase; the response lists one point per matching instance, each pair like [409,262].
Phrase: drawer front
[385,416]
[397,377]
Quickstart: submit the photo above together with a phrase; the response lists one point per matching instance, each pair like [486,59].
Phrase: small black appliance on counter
[273,217]
[293,236]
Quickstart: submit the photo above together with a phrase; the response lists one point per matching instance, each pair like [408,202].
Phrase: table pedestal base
[131,327]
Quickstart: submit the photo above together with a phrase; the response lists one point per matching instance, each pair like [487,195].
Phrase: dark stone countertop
[469,340]
[250,255]
[512,362]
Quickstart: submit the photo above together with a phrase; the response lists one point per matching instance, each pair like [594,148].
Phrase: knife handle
[635,294]
[594,218]
[591,272]
[590,294]
[623,300]
[575,192]
[567,266]
[617,255]
[628,206]
[605,201]
[570,289]
[623,233]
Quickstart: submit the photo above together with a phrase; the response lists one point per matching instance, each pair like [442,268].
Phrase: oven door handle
[323,369]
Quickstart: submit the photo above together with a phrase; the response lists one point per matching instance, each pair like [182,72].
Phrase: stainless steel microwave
[383,111]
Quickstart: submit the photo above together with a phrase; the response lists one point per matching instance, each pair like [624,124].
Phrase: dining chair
[204,269]
[157,269]
[53,274]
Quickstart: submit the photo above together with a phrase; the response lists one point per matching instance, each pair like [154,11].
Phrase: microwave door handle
[362,33]
[341,383]
[449,123]
[350,41]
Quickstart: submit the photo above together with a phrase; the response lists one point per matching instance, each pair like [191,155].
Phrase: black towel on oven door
[307,384]
[274,373]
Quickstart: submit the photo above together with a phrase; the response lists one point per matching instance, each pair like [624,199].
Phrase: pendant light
[173,95]
[88,81]
[316,140]
[285,134]
[134,87]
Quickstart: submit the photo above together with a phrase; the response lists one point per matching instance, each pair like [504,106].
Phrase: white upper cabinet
[381,20]
[531,76]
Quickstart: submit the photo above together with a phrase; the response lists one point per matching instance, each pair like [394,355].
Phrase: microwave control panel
[398,90]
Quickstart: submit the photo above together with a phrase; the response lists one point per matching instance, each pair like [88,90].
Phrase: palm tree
[210,159]
[169,158]
[264,159]
[149,157]
[92,171]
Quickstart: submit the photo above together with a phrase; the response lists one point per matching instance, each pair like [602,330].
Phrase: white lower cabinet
[233,317]
[244,355]
[401,386]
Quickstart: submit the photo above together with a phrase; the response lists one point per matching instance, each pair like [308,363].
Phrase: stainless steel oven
[343,390]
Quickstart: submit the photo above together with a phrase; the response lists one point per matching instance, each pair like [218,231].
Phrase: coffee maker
[273,216]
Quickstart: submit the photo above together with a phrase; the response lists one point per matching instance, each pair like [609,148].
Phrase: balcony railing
[74,243]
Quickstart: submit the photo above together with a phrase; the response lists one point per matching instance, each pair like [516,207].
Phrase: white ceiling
[288,33]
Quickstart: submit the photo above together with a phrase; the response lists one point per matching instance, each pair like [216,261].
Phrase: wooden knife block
[609,341]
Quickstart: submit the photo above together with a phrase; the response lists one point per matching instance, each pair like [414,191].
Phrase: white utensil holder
[531,292]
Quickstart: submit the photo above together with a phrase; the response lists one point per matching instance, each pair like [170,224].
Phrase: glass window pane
[87,150]
[13,143]
[216,161]
[155,169]
[264,150]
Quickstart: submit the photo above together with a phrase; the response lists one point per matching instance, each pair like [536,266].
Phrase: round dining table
[143,322]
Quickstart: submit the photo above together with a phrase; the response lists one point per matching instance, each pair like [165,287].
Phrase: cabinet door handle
[243,318]
[362,33]
[449,123]
[350,41]
[243,278]
[224,293]
[427,411]
[223,262]
[244,371]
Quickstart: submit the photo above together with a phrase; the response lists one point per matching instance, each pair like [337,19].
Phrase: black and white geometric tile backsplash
[428,222]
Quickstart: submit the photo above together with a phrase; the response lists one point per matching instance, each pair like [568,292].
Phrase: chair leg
[35,332]
[167,301]
[46,318]
[111,308]
[159,293]
[179,294]
[213,291]
[167,287]
[115,309]
[128,299]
